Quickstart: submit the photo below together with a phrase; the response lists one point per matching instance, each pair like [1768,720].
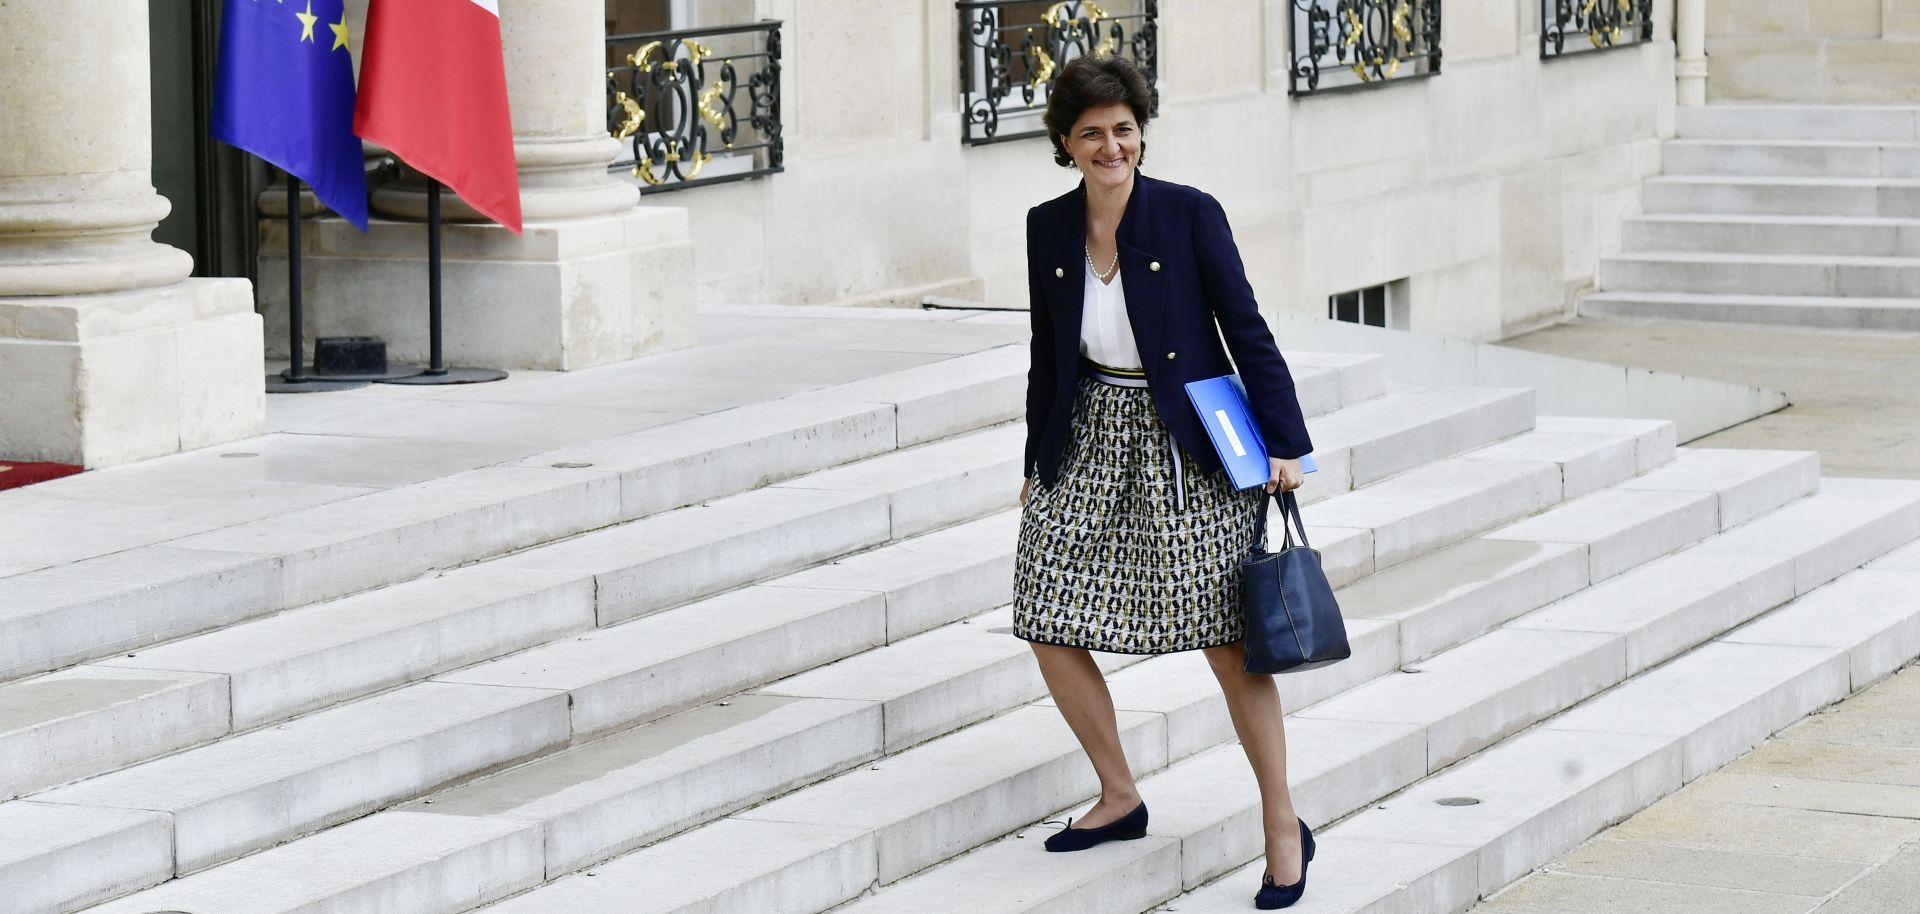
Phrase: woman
[1131,535]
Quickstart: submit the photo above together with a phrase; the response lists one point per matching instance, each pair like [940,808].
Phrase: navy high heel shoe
[1126,828]
[1272,897]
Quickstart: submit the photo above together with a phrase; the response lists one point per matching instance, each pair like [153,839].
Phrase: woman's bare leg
[1079,689]
[1254,703]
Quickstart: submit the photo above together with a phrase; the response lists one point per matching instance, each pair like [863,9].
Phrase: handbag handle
[1289,519]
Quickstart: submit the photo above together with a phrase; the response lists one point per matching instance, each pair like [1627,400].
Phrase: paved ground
[1825,816]
[1856,395]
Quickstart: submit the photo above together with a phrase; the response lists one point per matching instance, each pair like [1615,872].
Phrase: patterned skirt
[1132,550]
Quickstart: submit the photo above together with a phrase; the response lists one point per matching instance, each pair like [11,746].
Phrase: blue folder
[1222,405]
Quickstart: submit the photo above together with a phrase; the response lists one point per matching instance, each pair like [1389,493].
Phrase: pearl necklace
[1108,273]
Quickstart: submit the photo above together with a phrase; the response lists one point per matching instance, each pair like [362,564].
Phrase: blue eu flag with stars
[284,92]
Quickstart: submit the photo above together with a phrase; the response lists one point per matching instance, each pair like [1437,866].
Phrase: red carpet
[14,475]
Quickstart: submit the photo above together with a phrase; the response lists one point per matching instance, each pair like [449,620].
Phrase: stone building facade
[1469,192]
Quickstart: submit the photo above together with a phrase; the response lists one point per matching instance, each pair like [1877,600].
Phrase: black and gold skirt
[1133,550]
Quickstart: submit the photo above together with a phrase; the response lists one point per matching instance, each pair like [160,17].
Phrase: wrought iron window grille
[1606,24]
[1340,45]
[1010,52]
[697,106]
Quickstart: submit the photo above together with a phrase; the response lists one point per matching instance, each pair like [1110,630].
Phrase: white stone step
[77,723]
[62,615]
[891,819]
[897,822]
[731,865]
[1846,236]
[1545,791]
[63,858]
[1159,687]
[924,687]
[309,658]
[655,665]
[1813,158]
[1804,122]
[1209,803]
[1851,522]
[1426,508]
[1363,443]
[394,861]
[1699,494]
[264,787]
[598,799]
[1762,274]
[715,658]
[1831,312]
[1887,197]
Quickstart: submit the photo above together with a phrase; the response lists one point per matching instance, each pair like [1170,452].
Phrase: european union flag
[284,92]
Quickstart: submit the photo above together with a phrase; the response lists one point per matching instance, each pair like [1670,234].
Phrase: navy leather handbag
[1292,621]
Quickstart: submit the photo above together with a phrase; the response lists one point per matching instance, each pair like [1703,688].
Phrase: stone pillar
[108,352]
[1690,48]
[594,279]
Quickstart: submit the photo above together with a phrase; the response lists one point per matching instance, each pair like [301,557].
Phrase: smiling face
[1105,144]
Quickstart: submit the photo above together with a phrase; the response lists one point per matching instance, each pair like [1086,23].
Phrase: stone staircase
[1776,214]
[759,660]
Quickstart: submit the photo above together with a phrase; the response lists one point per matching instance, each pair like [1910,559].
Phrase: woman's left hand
[1286,474]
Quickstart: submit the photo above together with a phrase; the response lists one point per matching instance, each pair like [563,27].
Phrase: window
[1375,306]
[693,91]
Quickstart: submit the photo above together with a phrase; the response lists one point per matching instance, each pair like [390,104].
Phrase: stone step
[309,658]
[62,615]
[1208,805]
[1180,724]
[1799,196]
[59,616]
[1832,312]
[814,724]
[602,798]
[778,739]
[1847,236]
[1783,158]
[1369,441]
[393,861]
[658,664]
[261,788]
[81,722]
[1542,793]
[1762,274]
[1801,122]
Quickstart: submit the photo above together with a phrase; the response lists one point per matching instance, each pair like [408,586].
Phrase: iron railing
[1010,52]
[1605,23]
[696,106]
[1352,44]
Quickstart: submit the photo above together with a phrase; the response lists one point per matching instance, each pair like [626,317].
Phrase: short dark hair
[1090,82]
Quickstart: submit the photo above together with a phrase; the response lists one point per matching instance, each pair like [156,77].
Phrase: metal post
[296,380]
[437,371]
[436,360]
[296,347]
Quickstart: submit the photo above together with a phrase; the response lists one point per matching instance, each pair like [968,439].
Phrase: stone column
[108,352]
[595,278]
[1690,48]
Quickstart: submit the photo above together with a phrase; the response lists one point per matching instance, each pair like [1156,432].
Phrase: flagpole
[295,379]
[437,371]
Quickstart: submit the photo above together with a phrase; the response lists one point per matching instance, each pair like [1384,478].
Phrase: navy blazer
[1183,276]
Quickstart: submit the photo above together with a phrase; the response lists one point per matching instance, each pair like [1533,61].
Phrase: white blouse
[1106,336]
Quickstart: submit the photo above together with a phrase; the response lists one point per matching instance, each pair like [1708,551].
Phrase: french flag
[433,91]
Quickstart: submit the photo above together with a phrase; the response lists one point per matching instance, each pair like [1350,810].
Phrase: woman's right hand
[1026,489]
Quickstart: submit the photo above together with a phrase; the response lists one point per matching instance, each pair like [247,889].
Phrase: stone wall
[1490,189]
[1839,51]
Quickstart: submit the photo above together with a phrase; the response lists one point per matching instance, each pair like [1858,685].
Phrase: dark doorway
[213,187]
